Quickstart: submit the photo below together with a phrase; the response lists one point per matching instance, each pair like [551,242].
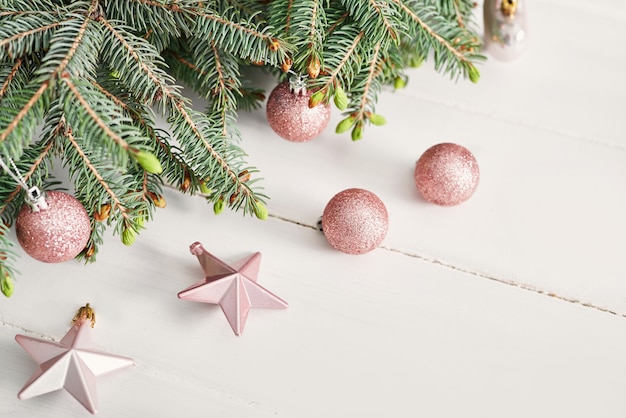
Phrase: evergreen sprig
[84,81]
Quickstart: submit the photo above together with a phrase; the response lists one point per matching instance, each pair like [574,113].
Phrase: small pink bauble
[290,116]
[56,234]
[447,174]
[355,221]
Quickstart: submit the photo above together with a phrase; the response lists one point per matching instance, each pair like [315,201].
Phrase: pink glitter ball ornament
[355,221]
[447,174]
[56,234]
[290,116]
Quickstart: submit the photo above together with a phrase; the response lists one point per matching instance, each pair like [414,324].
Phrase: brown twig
[94,115]
[430,31]
[370,77]
[116,201]
[14,70]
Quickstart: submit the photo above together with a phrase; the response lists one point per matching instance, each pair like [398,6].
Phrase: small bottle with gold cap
[506,28]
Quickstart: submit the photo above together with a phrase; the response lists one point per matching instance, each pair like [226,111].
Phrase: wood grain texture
[509,305]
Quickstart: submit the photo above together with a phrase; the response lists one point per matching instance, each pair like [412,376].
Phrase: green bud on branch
[415,61]
[148,161]
[357,132]
[399,83]
[317,98]
[345,124]
[129,236]
[6,285]
[377,119]
[474,74]
[218,207]
[260,211]
[204,189]
[341,99]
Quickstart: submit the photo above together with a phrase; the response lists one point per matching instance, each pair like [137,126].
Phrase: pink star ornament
[69,365]
[234,287]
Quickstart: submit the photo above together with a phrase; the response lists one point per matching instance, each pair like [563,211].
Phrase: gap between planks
[477,274]
[517,122]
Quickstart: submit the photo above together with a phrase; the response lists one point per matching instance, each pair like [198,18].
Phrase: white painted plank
[393,332]
[568,81]
[548,212]
[382,334]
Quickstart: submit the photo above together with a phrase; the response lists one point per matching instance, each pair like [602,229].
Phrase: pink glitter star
[68,365]
[234,288]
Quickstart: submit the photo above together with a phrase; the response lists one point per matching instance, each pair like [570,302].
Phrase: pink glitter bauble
[290,116]
[56,234]
[355,221]
[447,174]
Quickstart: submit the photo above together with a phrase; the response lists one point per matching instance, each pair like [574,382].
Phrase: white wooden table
[512,304]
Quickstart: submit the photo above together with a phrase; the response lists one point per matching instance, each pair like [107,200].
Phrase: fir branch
[16,7]
[218,74]
[249,7]
[7,257]
[200,73]
[188,123]
[222,177]
[118,101]
[221,82]
[9,78]
[10,191]
[305,25]
[178,112]
[28,35]
[173,18]
[342,58]
[367,93]
[118,205]
[457,12]
[170,6]
[453,46]
[112,133]
[93,71]
[439,39]
[378,19]
[98,184]
[288,14]
[94,115]
[175,167]
[148,82]
[246,39]
[16,120]
[78,57]
[221,91]
[338,22]
[384,18]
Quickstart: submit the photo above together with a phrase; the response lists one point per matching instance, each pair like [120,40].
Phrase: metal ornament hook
[297,84]
[34,197]
[85,313]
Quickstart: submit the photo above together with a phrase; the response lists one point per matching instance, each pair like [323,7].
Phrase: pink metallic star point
[234,288]
[68,365]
